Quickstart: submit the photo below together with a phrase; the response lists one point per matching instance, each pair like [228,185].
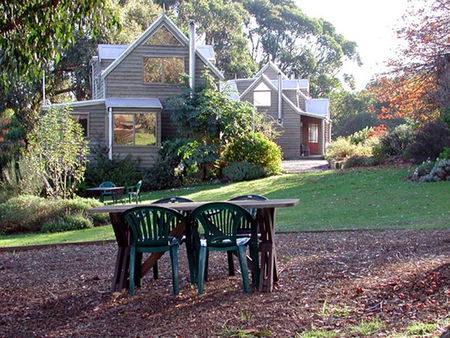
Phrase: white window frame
[316,134]
[163,77]
[268,94]
[157,144]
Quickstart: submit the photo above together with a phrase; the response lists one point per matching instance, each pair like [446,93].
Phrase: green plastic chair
[107,184]
[174,199]
[150,228]
[243,231]
[134,192]
[220,222]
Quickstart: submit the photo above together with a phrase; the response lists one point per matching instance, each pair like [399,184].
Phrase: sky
[369,23]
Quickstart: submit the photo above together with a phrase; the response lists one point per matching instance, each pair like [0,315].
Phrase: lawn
[375,198]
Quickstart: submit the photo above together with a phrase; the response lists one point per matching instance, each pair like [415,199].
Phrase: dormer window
[262,96]
[162,37]
[163,70]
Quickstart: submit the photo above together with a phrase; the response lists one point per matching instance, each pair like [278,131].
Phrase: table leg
[122,232]
[266,226]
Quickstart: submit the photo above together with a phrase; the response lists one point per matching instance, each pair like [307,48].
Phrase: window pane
[163,38]
[313,133]
[82,119]
[173,67]
[262,99]
[145,129]
[153,70]
[123,129]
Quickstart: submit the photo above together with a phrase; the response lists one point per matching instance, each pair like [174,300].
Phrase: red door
[313,138]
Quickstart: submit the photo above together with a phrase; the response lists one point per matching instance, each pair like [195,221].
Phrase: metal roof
[110,52]
[208,52]
[119,102]
[318,106]
[293,84]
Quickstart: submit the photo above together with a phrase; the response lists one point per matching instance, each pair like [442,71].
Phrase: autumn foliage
[419,85]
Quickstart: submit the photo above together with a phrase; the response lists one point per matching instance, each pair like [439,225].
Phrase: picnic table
[265,217]
[116,192]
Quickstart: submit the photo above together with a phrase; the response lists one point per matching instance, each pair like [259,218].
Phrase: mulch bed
[397,276]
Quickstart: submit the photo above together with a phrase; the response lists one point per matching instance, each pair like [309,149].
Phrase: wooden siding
[242,85]
[271,73]
[97,122]
[289,139]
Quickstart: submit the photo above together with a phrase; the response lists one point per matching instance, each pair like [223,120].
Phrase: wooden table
[266,227]
[115,191]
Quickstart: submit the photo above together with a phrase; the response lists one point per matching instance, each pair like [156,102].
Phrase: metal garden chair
[107,184]
[150,232]
[133,192]
[220,222]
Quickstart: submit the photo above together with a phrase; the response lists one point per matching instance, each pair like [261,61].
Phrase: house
[304,122]
[130,81]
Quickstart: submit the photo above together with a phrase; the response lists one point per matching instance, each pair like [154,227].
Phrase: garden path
[298,166]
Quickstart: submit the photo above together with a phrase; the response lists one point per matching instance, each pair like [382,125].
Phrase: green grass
[94,234]
[421,329]
[375,198]
[318,334]
[368,328]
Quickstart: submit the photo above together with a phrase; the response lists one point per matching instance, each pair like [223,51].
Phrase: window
[83,120]
[262,96]
[313,133]
[135,129]
[163,37]
[163,70]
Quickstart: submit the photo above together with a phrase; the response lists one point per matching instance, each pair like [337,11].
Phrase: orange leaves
[407,97]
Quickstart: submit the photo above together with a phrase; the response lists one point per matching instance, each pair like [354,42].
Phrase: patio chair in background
[174,199]
[134,192]
[107,184]
[150,228]
[242,231]
[220,222]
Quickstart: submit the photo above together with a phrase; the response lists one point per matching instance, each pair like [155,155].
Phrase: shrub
[122,171]
[360,161]
[396,142]
[360,136]
[429,142]
[431,171]
[160,176]
[445,155]
[59,152]
[67,223]
[257,150]
[241,171]
[28,213]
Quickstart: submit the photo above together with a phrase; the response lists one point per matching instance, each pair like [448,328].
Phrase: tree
[302,46]
[59,152]
[419,85]
[33,33]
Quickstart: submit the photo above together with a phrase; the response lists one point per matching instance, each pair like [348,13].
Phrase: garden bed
[347,283]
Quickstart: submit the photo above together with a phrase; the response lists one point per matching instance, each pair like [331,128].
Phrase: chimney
[280,94]
[192,55]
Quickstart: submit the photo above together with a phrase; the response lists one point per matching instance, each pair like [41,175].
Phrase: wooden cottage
[129,82]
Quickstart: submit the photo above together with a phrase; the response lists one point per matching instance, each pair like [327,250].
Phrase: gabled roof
[270,64]
[110,51]
[162,19]
[268,82]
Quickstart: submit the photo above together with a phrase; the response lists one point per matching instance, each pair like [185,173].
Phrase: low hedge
[29,213]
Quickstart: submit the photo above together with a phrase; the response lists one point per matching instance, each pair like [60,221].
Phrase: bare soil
[328,281]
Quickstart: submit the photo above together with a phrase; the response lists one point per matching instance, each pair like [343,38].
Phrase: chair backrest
[174,199]
[138,186]
[151,225]
[221,221]
[250,197]
[107,184]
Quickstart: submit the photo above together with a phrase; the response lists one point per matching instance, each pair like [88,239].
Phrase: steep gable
[271,71]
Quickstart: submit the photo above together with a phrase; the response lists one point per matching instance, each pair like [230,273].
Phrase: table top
[275,203]
[105,188]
